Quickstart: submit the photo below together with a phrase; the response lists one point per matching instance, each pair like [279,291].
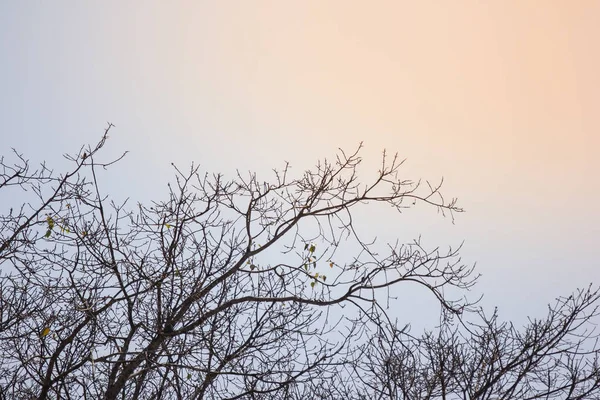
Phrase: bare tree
[225,289]
[478,357]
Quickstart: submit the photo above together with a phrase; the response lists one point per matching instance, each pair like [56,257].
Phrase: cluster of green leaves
[311,259]
[50,223]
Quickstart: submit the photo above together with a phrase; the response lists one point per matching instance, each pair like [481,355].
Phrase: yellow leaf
[168,226]
[316,275]
[45,331]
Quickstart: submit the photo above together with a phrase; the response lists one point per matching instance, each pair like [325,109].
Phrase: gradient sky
[500,98]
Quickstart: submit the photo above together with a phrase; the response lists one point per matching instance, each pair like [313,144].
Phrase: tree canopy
[249,289]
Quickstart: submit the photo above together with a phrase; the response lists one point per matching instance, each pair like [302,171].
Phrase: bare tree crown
[247,289]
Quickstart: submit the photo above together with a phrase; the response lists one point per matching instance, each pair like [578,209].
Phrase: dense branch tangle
[226,289]
[481,358]
[253,290]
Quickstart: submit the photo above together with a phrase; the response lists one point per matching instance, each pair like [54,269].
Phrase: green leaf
[252,267]
[48,233]
[324,277]
[312,248]
[189,376]
[312,284]
[305,246]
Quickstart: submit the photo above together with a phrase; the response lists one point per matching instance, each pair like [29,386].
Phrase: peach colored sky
[501,98]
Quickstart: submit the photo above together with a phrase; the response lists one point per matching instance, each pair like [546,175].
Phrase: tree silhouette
[479,357]
[240,289]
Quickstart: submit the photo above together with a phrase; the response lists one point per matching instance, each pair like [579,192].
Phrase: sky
[499,98]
